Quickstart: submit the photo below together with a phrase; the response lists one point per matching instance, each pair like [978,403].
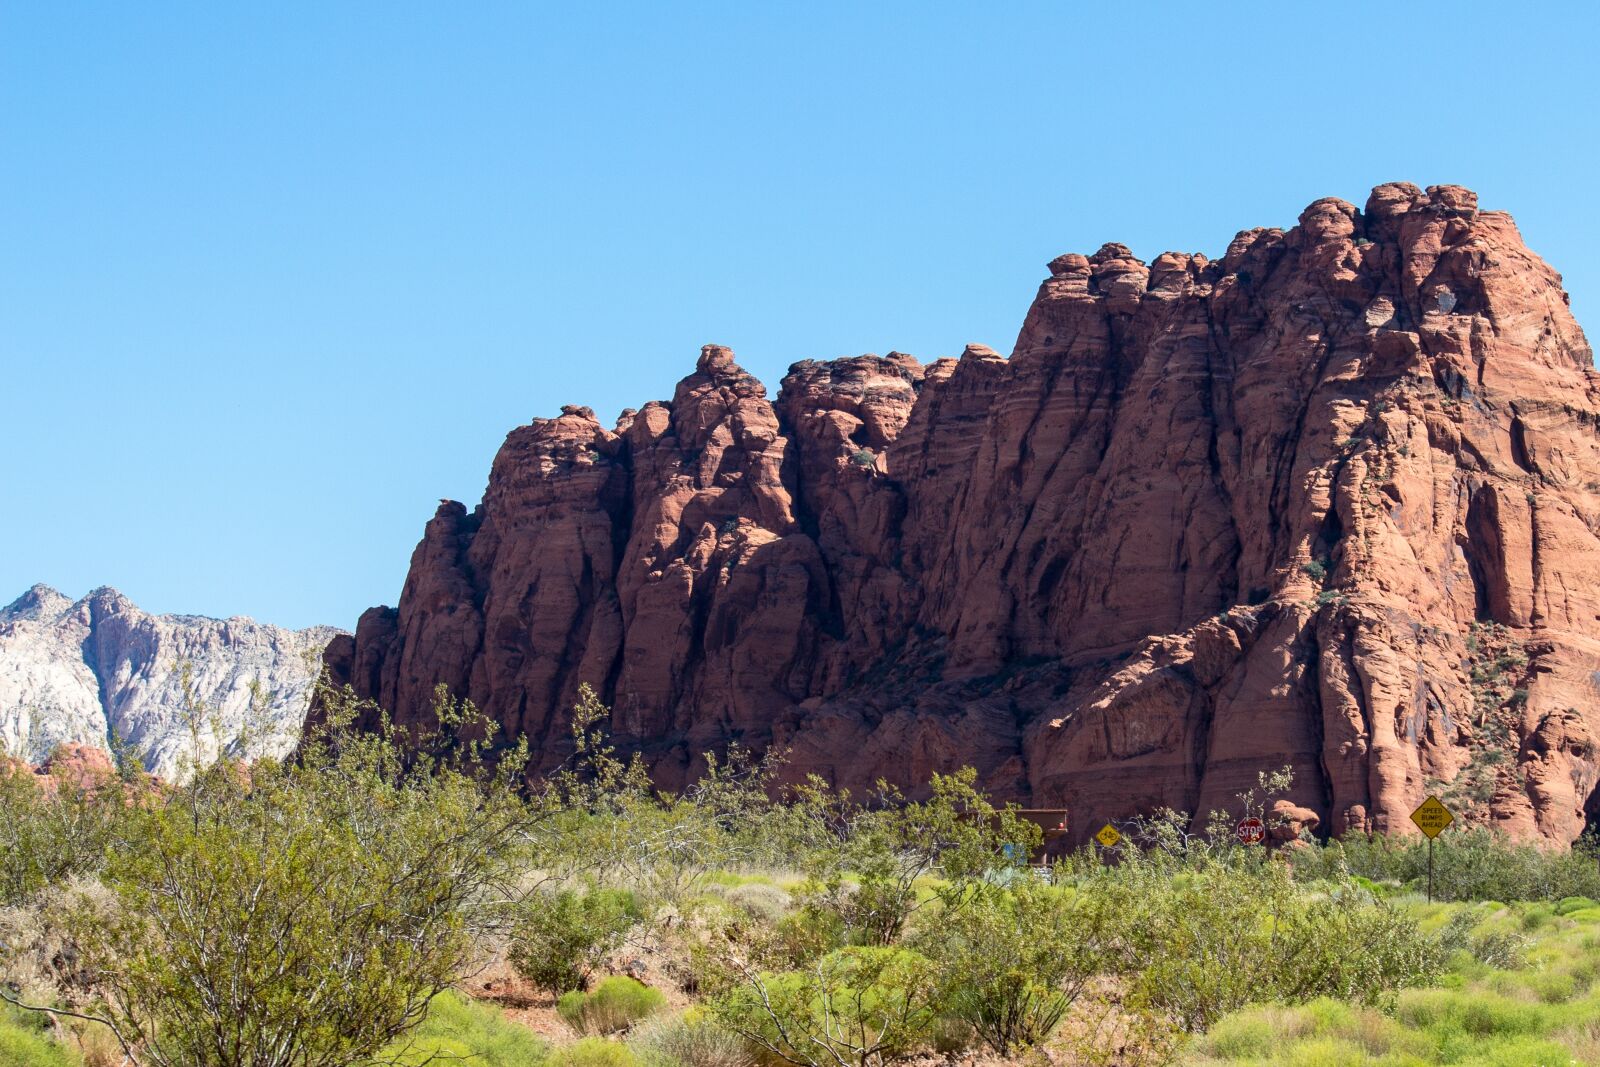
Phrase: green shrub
[592,1052]
[50,834]
[615,1004]
[1477,1013]
[814,930]
[950,1037]
[1469,864]
[866,863]
[559,938]
[1210,941]
[1010,962]
[1249,1034]
[1568,905]
[314,907]
[861,1006]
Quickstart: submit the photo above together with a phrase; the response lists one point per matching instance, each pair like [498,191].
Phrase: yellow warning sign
[1108,836]
[1432,817]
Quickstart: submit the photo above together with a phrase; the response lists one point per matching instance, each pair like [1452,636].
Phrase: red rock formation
[1331,501]
[79,767]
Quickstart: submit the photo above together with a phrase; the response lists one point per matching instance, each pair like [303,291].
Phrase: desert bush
[559,937]
[1568,905]
[1469,864]
[859,1006]
[1010,962]
[687,1041]
[616,825]
[1499,948]
[1201,944]
[298,913]
[613,1006]
[39,953]
[53,830]
[864,863]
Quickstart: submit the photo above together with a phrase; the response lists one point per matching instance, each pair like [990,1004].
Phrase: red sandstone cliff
[1332,500]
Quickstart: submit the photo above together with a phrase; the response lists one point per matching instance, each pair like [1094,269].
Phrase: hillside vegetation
[398,898]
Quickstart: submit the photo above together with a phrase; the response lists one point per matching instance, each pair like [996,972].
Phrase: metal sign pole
[1430,870]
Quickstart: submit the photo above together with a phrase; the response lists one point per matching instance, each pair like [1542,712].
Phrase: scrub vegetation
[343,908]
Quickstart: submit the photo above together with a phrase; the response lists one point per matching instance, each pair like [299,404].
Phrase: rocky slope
[1331,500]
[99,669]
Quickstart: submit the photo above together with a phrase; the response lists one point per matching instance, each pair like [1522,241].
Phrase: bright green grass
[25,1042]
[1544,1012]
[783,879]
[472,1034]
[456,1031]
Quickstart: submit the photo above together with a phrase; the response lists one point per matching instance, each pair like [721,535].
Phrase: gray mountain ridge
[100,671]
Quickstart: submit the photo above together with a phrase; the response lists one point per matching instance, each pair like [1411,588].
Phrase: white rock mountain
[100,671]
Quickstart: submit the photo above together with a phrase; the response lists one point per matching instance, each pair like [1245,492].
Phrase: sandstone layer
[1331,501]
[169,689]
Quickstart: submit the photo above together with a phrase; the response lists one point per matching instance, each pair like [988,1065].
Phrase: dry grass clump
[687,1041]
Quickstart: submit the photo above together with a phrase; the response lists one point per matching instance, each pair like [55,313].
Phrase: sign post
[1431,818]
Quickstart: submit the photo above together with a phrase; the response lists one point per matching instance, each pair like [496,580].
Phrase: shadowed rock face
[1332,501]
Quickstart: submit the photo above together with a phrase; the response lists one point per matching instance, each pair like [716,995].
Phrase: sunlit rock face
[1331,500]
[100,672]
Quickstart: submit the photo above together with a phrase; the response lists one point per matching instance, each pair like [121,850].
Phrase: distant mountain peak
[107,598]
[40,601]
[88,670]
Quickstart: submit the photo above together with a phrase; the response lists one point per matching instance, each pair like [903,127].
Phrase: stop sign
[1251,831]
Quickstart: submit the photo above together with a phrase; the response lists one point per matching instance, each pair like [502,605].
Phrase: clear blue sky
[274,278]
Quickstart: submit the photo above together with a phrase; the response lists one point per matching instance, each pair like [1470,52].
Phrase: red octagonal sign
[1251,831]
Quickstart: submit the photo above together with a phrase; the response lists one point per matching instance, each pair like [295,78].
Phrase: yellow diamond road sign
[1432,817]
[1108,836]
